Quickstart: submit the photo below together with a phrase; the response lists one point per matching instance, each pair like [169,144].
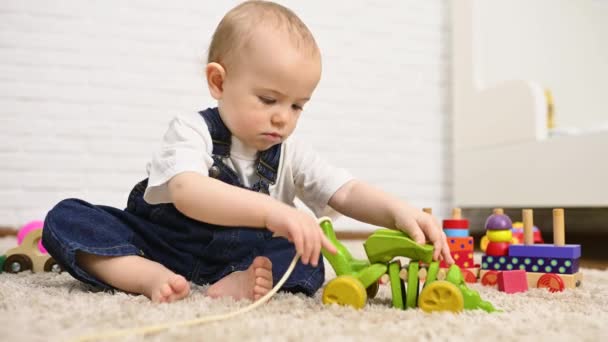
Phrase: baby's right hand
[302,230]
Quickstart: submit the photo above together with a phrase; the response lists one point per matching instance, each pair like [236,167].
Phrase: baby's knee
[61,210]
[59,219]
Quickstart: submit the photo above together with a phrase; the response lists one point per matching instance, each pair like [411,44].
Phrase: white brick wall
[87,87]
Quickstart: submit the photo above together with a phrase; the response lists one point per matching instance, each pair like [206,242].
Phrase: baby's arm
[363,202]
[210,200]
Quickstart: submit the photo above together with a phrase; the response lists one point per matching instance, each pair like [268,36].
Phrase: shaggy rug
[55,307]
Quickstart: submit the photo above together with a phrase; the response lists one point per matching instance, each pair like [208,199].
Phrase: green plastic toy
[2,259]
[357,280]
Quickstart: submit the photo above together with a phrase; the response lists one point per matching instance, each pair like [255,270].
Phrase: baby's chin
[264,144]
[262,148]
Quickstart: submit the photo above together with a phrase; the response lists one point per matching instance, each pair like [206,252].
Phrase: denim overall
[201,252]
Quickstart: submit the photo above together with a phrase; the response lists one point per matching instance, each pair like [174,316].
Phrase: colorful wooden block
[529,264]
[546,251]
[456,224]
[464,259]
[498,221]
[497,248]
[456,232]
[512,281]
[458,244]
[518,235]
[501,235]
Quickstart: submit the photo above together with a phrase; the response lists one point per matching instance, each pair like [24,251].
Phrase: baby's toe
[259,291]
[262,262]
[166,290]
[265,282]
[263,273]
[179,284]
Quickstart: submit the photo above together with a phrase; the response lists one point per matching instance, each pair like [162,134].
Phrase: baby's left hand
[423,228]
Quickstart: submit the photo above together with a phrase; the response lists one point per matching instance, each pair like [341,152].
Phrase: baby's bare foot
[168,289]
[253,283]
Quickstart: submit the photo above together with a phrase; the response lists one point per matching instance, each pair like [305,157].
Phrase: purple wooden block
[498,222]
[546,251]
[530,264]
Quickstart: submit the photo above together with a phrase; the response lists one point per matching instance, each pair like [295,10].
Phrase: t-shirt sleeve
[186,146]
[315,179]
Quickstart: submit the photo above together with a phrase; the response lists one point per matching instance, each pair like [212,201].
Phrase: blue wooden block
[530,264]
[456,233]
[546,251]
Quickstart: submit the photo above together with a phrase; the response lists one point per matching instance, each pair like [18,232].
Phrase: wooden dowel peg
[528,218]
[559,227]
[457,214]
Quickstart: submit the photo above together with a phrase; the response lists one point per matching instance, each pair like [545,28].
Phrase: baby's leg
[253,283]
[136,274]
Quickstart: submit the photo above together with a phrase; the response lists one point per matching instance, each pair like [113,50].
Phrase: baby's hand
[302,230]
[422,227]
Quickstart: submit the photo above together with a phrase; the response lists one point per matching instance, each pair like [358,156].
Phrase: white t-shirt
[187,146]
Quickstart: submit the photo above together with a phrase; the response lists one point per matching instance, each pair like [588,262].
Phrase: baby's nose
[279,117]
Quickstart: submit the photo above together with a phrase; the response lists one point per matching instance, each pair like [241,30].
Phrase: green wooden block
[371,274]
[342,262]
[386,244]
[411,299]
[432,272]
[397,288]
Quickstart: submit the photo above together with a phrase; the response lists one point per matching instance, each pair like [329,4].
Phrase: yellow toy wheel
[441,296]
[345,290]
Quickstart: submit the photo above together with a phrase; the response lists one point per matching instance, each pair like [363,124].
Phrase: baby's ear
[215,79]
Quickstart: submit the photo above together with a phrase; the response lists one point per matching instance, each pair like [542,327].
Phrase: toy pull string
[152,329]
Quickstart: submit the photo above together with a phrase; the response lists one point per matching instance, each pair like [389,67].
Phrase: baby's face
[267,87]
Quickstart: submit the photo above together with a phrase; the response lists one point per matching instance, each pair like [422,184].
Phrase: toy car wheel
[17,263]
[441,295]
[469,276]
[490,278]
[372,290]
[52,266]
[345,290]
[553,282]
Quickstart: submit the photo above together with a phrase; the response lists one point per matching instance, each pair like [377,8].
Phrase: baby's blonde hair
[235,29]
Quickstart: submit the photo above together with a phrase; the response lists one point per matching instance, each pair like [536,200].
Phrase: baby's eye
[297,107]
[267,100]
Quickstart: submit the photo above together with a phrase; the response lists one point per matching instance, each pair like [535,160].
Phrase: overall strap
[266,166]
[220,135]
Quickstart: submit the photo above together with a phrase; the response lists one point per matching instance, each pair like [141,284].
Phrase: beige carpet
[52,307]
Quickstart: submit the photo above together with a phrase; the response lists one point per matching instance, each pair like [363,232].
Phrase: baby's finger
[415,232]
[296,237]
[447,256]
[435,236]
[308,245]
[328,245]
[438,249]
